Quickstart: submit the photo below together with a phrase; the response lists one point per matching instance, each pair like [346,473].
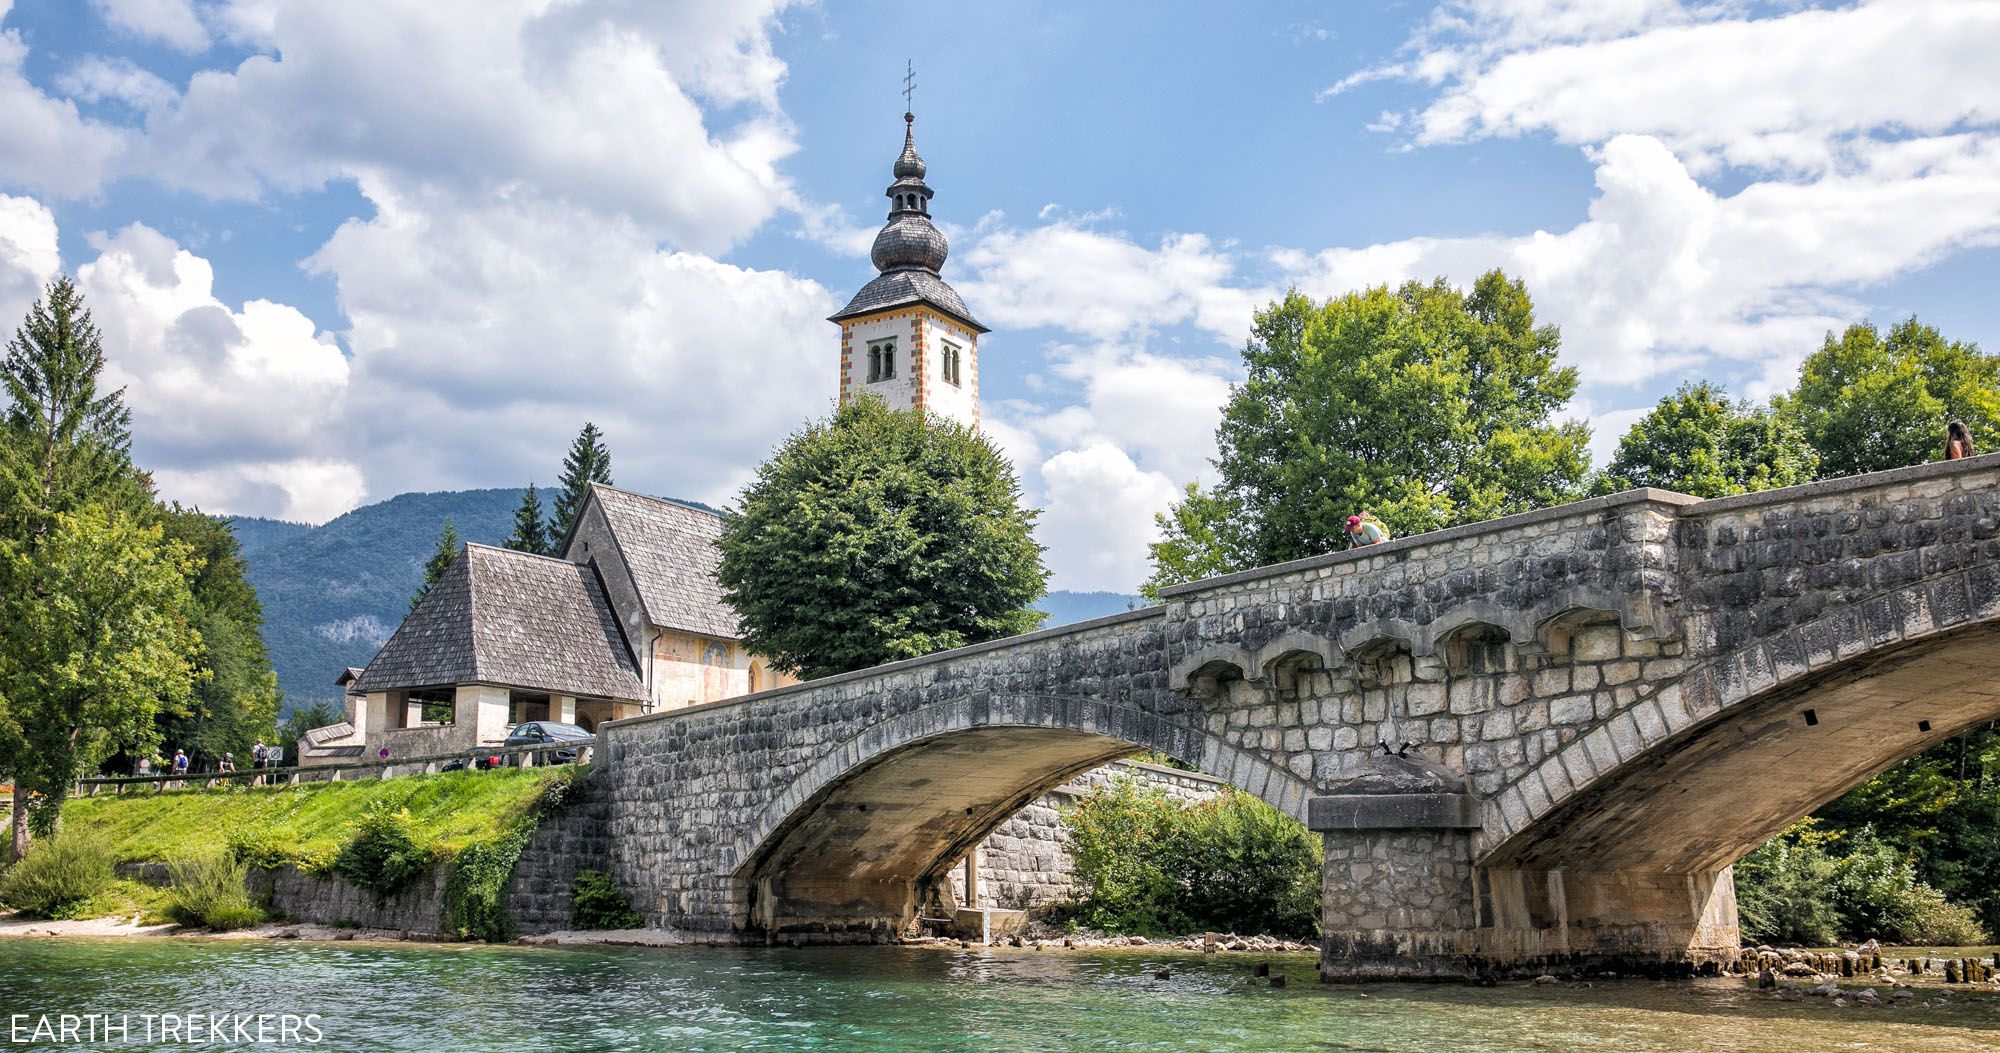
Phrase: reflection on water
[479,998]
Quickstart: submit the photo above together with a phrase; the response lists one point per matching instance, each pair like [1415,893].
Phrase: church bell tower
[906,337]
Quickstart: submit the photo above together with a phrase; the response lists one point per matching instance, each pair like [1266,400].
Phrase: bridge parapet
[1516,577]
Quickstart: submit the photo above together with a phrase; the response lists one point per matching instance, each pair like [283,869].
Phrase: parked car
[536,733]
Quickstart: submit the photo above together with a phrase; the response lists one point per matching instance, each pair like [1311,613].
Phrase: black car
[536,733]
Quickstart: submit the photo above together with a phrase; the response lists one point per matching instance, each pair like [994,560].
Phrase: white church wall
[919,336]
[899,391]
[958,401]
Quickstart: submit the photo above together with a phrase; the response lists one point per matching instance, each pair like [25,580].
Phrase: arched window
[881,360]
[951,364]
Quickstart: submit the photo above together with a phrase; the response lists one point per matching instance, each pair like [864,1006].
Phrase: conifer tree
[531,530]
[94,628]
[588,462]
[70,443]
[448,546]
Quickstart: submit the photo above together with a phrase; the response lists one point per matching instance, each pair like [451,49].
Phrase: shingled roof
[504,617]
[670,549]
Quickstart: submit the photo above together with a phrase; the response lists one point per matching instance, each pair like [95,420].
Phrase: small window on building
[523,707]
[951,364]
[882,361]
[425,707]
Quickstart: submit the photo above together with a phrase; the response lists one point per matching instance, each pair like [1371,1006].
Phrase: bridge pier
[1403,898]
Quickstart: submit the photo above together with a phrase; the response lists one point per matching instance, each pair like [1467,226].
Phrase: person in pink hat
[1365,529]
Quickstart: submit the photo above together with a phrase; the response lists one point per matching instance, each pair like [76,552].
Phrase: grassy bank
[307,824]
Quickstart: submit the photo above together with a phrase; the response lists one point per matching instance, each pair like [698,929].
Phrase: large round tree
[878,535]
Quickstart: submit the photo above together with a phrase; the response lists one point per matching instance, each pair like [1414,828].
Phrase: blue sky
[341,251]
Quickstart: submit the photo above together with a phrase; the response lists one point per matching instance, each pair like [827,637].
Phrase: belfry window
[881,360]
[951,364]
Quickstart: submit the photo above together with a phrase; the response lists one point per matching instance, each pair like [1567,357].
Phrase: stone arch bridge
[1600,707]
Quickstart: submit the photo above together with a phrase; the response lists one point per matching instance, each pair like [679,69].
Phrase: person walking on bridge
[1957,441]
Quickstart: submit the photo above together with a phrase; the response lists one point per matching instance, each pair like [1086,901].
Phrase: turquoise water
[377,996]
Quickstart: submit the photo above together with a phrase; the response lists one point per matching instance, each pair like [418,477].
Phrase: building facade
[629,619]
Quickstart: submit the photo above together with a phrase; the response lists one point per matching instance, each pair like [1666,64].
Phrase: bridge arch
[856,842]
[1744,744]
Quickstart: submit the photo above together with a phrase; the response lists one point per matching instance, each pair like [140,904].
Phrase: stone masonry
[1025,863]
[1587,700]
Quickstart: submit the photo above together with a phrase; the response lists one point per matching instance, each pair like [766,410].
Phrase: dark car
[536,733]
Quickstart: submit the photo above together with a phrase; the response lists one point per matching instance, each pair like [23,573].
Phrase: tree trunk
[20,846]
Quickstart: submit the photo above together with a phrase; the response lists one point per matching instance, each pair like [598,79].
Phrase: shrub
[1784,894]
[1926,918]
[382,856]
[1812,887]
[58,875]
[598,903]
[1152,866]
[207,890]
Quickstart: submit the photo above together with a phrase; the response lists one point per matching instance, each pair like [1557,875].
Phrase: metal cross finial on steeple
[909,90]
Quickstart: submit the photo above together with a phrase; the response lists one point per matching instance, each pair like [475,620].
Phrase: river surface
[417,997]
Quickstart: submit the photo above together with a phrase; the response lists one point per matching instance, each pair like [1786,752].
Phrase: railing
[528,756]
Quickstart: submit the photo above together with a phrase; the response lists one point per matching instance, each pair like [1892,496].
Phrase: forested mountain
[332,594]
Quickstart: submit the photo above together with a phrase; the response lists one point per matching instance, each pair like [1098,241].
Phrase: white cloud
[1098,519]
[485,335]
[221,398]
[593,105]
[44,143]
[28,257]
[304,490]
[98,79]
[1789,92]
[1101,285]
[171,22]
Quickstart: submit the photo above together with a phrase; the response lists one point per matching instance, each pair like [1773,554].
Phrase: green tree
[878,535]
[587,462]
[1698,442]
[94,639]
[531,530]
[443,554]
[1426,405]
[67,442]
[1869,402]
[235,699]
[1200,537]
[73,511]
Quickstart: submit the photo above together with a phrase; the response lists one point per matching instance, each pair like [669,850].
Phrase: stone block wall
[575,839]
[327,900]
[1025,863]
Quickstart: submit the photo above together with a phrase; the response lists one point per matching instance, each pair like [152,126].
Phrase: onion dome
[909,241]
[909,252]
